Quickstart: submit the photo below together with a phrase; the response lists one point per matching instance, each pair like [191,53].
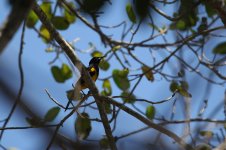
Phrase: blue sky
[38,77]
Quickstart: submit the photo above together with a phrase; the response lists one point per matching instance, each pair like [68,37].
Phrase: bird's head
[95,61]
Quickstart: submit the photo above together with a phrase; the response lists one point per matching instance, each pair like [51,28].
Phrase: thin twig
[21,80]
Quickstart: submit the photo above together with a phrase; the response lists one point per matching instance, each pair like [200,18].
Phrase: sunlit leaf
[66,71]
[150,112]
[61,74]
[32,19]
[120,79]
[45,35]
[46,7]
[60,23]
[130,13]
[51,114]
[96,54]
[107,87]
[220,48]
[69,16]
[83,126]
[148,73]
[114,49]
[127,98]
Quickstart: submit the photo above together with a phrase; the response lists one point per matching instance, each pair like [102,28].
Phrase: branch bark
[20,9]
[71,54]
[220,7]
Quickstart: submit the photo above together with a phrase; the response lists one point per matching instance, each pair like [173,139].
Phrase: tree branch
[20,9]
[71,54]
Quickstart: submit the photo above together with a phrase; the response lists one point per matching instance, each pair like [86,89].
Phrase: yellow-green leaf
[96,54]
[83,126]
[69,16]
[114,49]
[61,74]
[51,114]
[120,79]
[148,73]
[32,19]
[45,35]
[150,112]
[46,7]
[104,65]
[107,87]
[130,13]
[66,71]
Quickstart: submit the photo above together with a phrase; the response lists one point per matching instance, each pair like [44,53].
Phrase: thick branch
[220,7]
[148,122]
[19,11]
[71,54]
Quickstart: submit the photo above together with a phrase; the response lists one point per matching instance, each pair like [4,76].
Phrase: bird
[93,70]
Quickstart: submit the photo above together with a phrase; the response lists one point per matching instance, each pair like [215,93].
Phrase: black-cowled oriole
[93,69]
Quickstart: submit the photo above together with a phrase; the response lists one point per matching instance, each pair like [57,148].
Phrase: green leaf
[207,134]
[184,92]
[181,25]
[46,7]
[120,79]
[45,35]
[51,114]
[56,72]
[104,65]
[66,71]
[150,112]
[83,126]
[69,16]
[174,86]
[96,54]
[60,23]
[104,143]
[70,94]
[148,73]
[127,98]
[124,73]
[220,48]
[115,48]
[61,74]
[32,19]
[107,87]
[130,13]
